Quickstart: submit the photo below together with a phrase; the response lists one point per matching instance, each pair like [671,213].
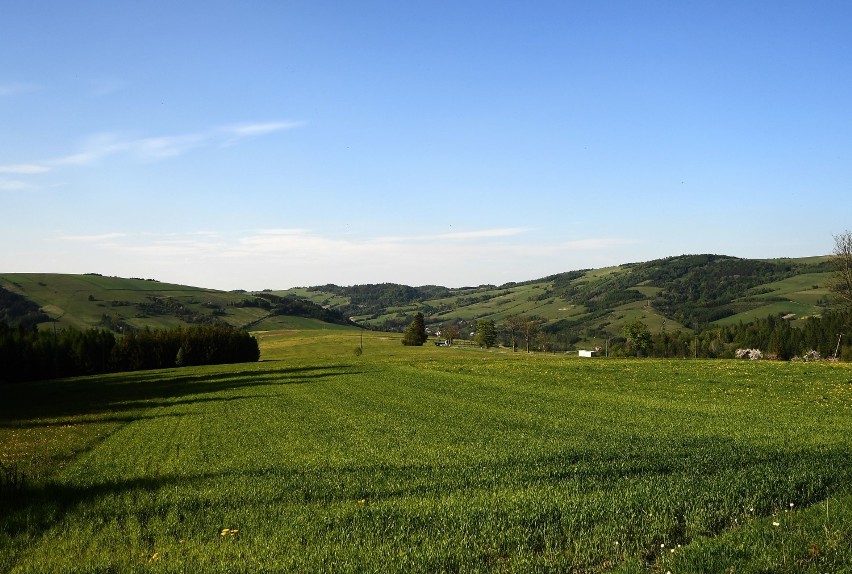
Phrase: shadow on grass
[126,396]
[808,476]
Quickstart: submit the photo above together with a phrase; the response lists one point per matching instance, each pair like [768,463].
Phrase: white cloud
[92,238]
[104,145]
[483,234]
[279,258]
[259,129]
[24,169]
[453,236]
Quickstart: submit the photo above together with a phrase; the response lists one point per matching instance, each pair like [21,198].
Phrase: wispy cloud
[24,169]
[97,238]
[483,233]
[104,145]
[259,129]
[454,236]
[101,146]
[298,256]
[158,148]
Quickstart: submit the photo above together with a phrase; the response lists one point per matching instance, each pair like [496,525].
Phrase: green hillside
[684,293]
[120,304]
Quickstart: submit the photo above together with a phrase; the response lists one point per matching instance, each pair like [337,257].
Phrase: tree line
[27,353]
[828,336]
[774,336]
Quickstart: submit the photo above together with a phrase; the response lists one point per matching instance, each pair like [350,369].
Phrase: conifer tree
[416,335]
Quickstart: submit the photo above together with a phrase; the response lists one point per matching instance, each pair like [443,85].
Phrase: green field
[430,460]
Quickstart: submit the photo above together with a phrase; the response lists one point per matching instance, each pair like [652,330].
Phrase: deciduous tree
[638,337]
[530,329]
[841,283]
[514,326]
[486,333]
[450,333]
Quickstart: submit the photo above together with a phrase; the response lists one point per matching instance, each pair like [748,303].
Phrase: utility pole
[837,348]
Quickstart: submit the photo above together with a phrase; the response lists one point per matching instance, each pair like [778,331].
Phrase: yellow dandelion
[225,531]
[154,558]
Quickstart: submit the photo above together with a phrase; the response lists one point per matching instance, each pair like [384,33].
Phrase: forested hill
[686,292]
[683,293]
[692,289]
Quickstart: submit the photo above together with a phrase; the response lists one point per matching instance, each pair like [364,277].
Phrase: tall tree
[638,337]
[486,333]
[841,283]
[415,335]
[514,326]
[450,333]
[530,328]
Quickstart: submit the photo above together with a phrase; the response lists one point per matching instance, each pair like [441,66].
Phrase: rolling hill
[121,305]
[686,293]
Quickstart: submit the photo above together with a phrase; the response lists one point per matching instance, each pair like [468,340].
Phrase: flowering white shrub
[810,356]
[752,354]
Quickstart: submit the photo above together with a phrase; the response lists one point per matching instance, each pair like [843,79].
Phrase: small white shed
[585,353]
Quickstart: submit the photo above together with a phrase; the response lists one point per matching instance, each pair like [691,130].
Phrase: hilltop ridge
[686,292]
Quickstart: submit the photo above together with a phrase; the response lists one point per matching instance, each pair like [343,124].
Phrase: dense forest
[27,353]
[18,310]
[374,299]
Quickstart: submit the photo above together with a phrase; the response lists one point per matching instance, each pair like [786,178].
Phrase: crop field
[429,459]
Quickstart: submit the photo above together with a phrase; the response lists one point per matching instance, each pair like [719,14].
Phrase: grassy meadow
[430,460]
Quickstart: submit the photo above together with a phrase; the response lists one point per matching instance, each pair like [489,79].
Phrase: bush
[809,357]
[751,354]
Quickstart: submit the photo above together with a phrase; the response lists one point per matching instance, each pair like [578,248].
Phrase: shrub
[751,354]
[809,357]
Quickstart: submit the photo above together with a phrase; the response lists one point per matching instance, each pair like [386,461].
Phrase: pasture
[430,459]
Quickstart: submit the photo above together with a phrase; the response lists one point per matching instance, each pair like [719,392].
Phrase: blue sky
[275,144]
